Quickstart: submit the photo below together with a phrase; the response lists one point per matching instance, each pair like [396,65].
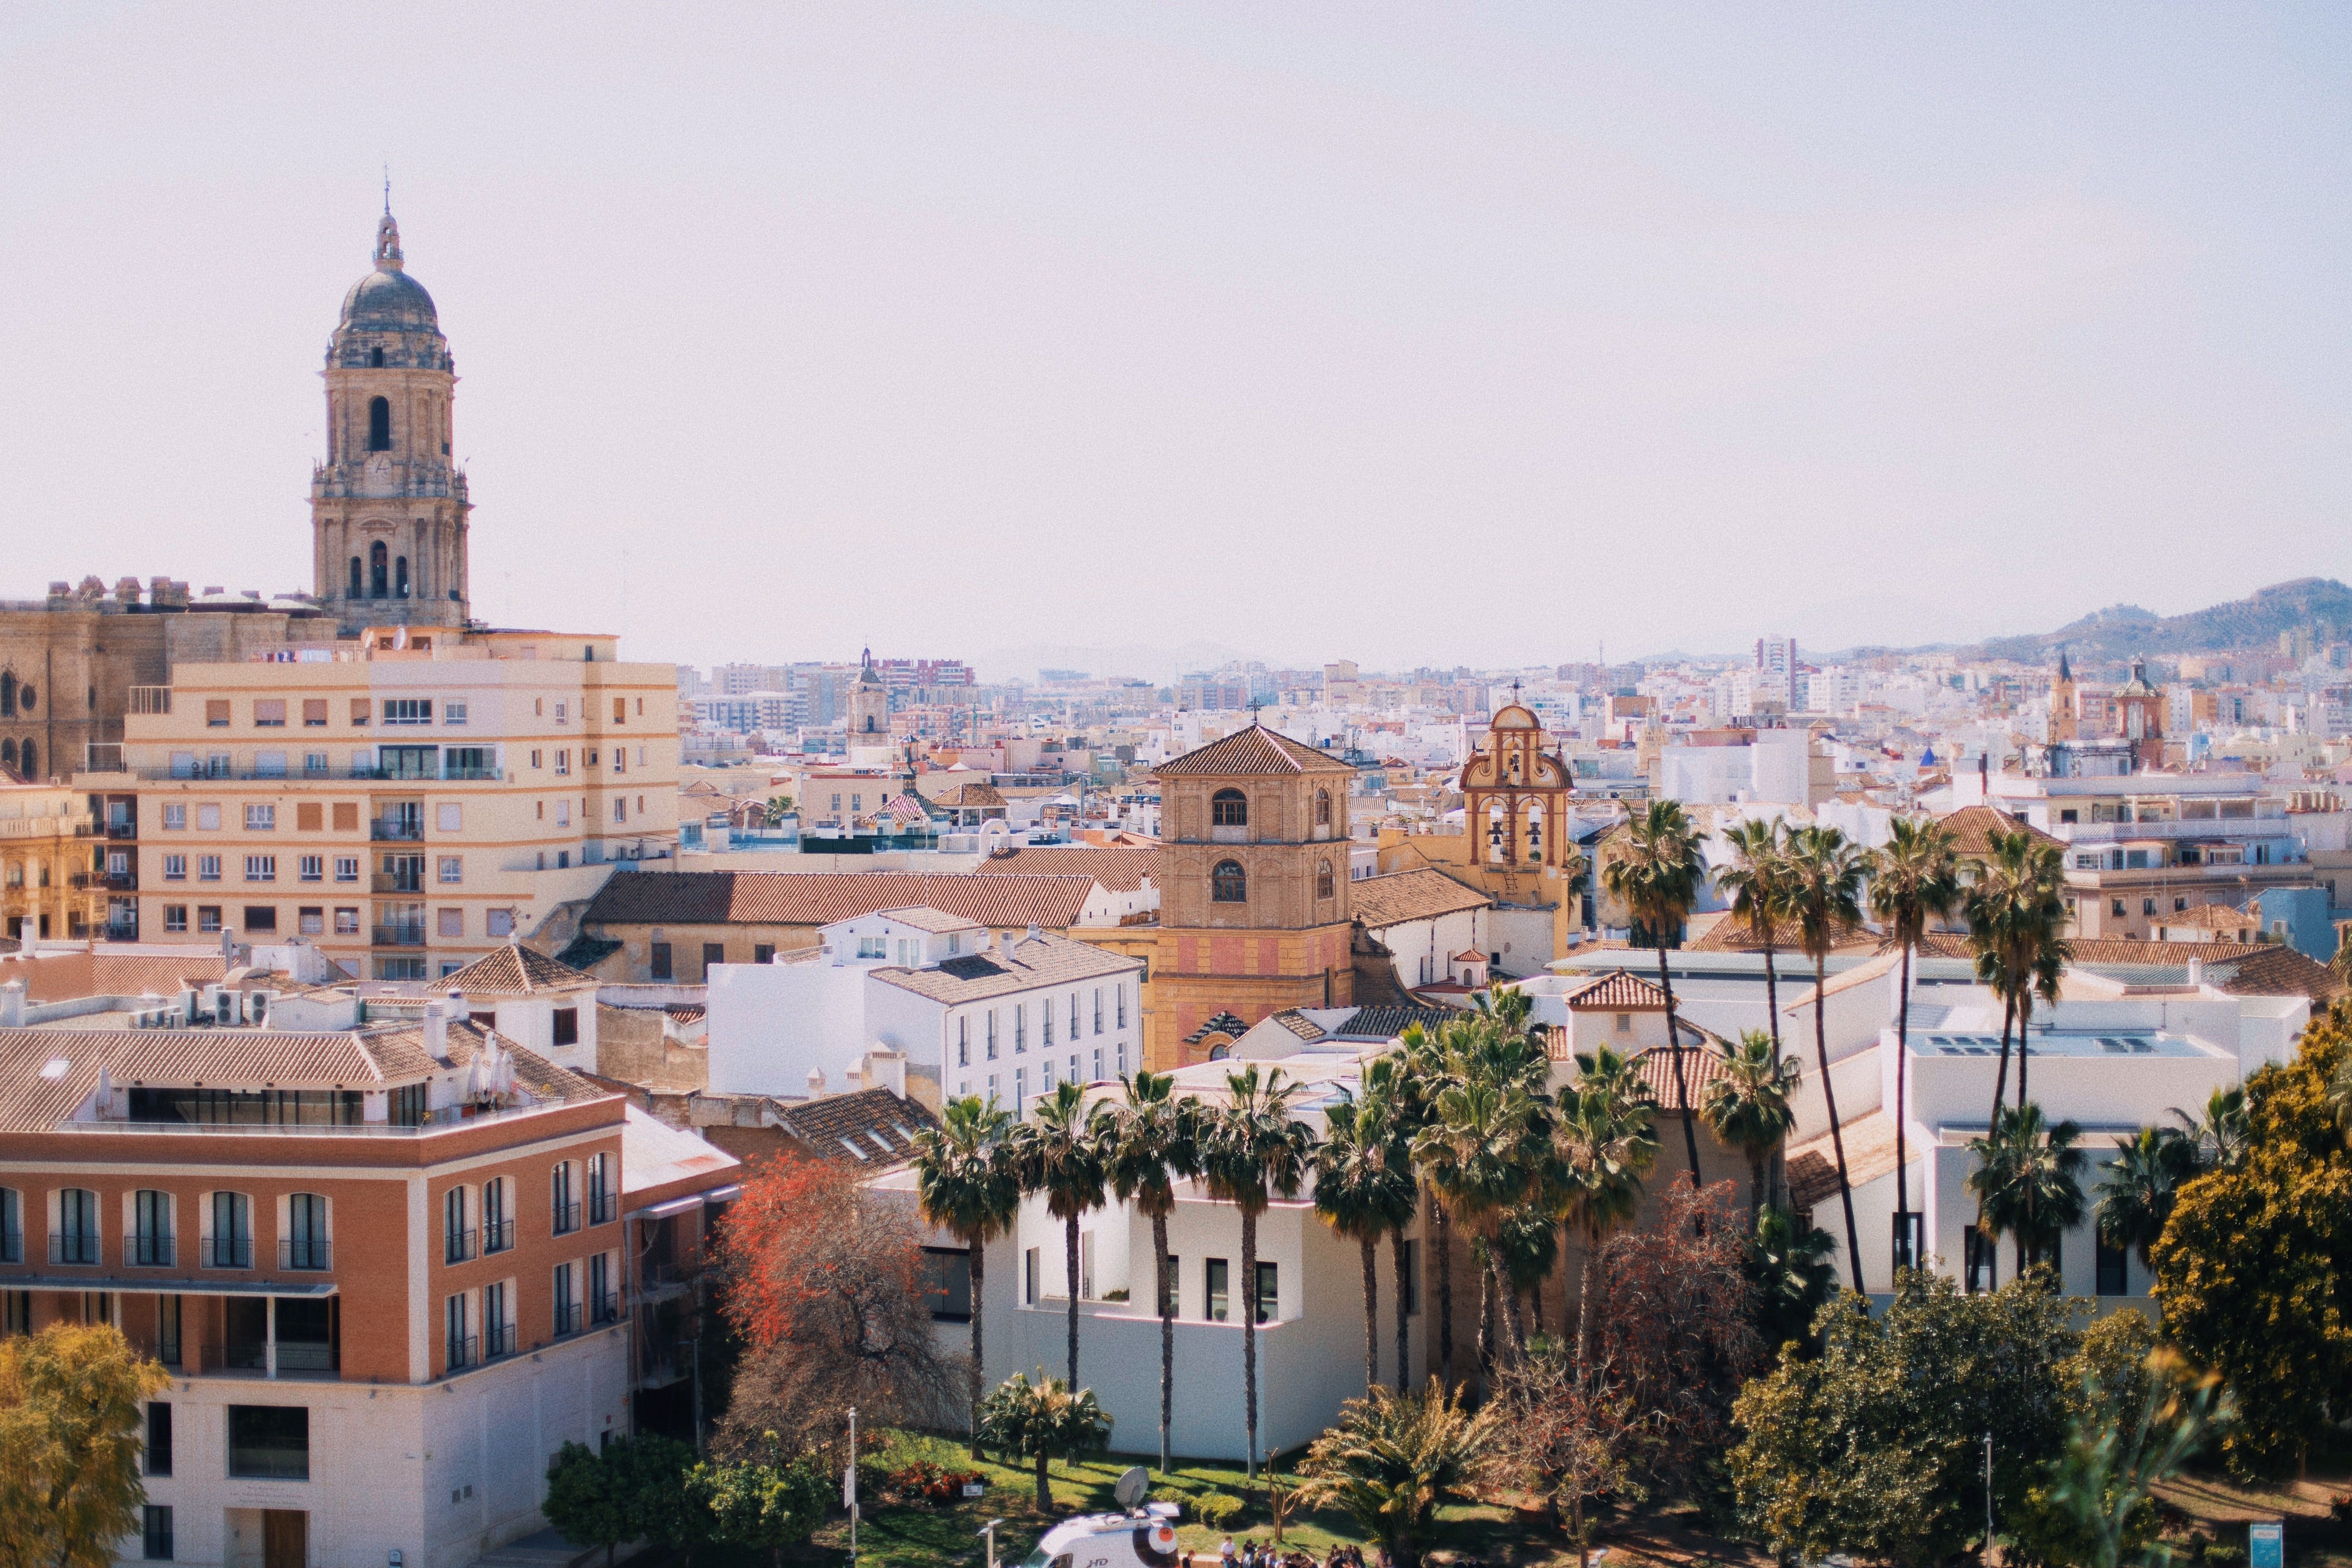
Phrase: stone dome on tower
[388,299]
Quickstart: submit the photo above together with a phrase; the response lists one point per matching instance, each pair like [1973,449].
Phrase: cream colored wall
[547,808]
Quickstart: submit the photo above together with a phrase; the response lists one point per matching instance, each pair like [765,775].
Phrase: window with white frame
[261,868]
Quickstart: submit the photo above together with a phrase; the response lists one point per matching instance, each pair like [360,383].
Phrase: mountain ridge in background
[2124,631]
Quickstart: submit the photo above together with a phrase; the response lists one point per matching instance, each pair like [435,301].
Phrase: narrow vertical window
[379,424]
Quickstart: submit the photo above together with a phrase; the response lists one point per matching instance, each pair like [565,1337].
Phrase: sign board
[974,1488]
[2266,1544]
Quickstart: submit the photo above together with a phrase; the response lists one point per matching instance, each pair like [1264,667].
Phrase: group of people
[1250,1555]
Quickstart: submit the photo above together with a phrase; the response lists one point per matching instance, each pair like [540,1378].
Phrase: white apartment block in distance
[407,802]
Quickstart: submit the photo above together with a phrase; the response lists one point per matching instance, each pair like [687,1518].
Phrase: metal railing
[305,1252]
[12,1245]
[457,1247]
[409,881]
[114,932]
[603,1207]
[567,1318]
[78,1249]
[397,935]
[304,1356]
[237,1355]
[398,832]
[464,1353]
[497,1236]
[226,1252]
[605,1309]
[567,1218]
[150,1250]
[497,1339]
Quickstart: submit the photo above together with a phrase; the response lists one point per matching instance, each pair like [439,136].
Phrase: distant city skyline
[1407,337]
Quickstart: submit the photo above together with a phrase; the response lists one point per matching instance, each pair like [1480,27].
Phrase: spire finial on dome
[387,237]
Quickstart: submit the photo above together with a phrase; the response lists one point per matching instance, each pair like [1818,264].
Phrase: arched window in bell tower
[375,359]
[379,570]
[400,578]
[7,696]
[379,424]
[359,580]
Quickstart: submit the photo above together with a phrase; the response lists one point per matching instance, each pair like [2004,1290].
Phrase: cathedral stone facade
[388,505]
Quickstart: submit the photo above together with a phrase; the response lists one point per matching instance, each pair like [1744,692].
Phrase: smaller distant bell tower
[388,504]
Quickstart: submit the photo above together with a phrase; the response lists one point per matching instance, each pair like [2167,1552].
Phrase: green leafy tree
[1656,875]
[1041,1419]
[635,1489]
[1391,1458]
[1365,1188]
[2102,1487]
[1915,878]
[1252,1148]
[764,1505]
[1756,882]
[1058,1151]
[72,1408]
[1748,1105]
[1825,874]
[966,1184]
[1793,1270]
[2249,1267]
[1875,1446]
[2028,1180]
[1149,1142]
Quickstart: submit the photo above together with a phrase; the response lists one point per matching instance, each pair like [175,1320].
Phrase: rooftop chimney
[816,1083]
[436,1032]
[12,1004]
[2196,973]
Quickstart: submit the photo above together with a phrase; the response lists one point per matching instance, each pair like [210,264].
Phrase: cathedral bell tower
[388,506]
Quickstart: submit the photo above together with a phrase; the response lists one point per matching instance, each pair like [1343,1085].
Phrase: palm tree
[1391,1458]
[1527,1244]
[1792,1268]
[1483,1151]
[1747,1105]
[1148,1142]
[2017,920]
[1423,1073]
[2027,1181]
[1392,1095]
[1364,1191]
[1251,1148]
[1825,900]
[2218,1140]
[1756,882]
[1605,1144]
[2136,1194]
[1041,1419]
[964,1183]
[1913,878]
[1058,1152]
[1657,875]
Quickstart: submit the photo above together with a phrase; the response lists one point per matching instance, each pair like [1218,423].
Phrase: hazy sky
[1412,334]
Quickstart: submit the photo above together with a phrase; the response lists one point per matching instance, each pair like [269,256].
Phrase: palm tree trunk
[2024,1050]
[1514,1346]
[1167,1336]
[1902,1059]
[1478,1255]
[1070,1258]
[1584,1305]
[1829,1100]
[1436,1209]
[1403,1317]
[1772,999]
[2000,1075]
[1370,1244]
[1755,1187]
[977,1379]
[1674,1045]
[1249,1334]
[1044,1493]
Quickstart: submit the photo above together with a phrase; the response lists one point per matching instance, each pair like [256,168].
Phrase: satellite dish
[1132,1485]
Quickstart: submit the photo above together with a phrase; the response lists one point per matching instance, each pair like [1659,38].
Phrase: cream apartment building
[405,803]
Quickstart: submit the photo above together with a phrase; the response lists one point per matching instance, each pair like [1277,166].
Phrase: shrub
[1219,1510]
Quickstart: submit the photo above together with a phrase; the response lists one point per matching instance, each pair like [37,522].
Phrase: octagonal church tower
[388,505]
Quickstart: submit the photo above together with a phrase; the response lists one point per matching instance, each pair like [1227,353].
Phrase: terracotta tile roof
[64,976]
[1869,1154]
[1119,869]
[2240,968]
[1732,935]
[872,1126]
[1037,962]
[515,971]
[1217,1024]
[1400,896]
[976,794]
[1386,1023]
[923,917]
[1972,827]
[1619,990]
[1254,753]
[1300,1024]
[45,1074]
[1702,1065]
[2215,917]
[821,898]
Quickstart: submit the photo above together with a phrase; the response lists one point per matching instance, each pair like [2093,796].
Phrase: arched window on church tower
[7,753]
[1229,884]
[1322,808]
[1229,808]
[375,359]
[1325,885]
[359,580]
[7,696]
[379,424]
[400,578]
[379,570]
